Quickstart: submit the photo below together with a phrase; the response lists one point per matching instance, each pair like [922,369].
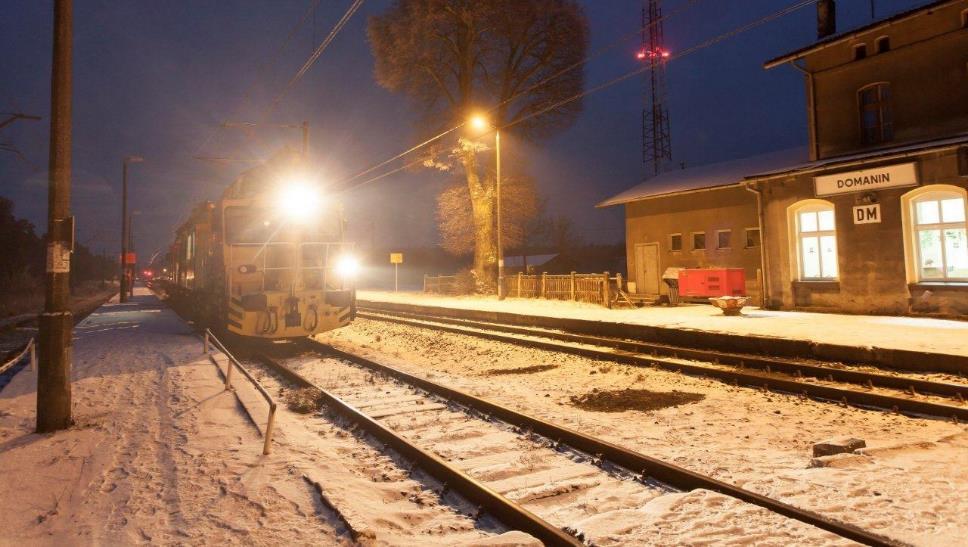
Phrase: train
[268,259]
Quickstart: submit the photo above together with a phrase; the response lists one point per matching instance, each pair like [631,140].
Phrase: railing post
[544,278]
[574,282]
[206,342]
[267,446]
[519,283]
[425,284]
[33,355]
[606,297]
[228,374]
[618,281]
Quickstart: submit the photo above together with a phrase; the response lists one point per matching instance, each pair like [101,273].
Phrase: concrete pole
[500,242]
[124,230]
[56,322]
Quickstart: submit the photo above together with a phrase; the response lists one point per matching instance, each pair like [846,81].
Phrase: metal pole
[500,243]
[56,322]
[396,277]
[124,230]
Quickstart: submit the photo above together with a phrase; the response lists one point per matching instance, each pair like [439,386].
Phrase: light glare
[347,266]
[298,201]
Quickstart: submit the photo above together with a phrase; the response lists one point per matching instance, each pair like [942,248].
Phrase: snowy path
[160,452]
[909,484]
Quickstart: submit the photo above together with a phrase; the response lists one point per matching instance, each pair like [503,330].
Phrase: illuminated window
[876,117]
[722,239]
[860,51]
[752,237]
[815,231]
[698,241]
[883,44]
[675,242]
[940,242]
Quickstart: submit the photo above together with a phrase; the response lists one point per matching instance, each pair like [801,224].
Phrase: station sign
[867,214]
[866,180]
[396,258]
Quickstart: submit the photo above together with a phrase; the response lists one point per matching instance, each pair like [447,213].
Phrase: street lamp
[124,225]
[480,123]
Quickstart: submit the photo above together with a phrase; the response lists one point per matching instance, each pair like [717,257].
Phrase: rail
[30,347]
[636,462]
[210,339]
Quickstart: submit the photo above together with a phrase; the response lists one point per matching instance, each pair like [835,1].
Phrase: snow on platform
[898,333]
[160,452]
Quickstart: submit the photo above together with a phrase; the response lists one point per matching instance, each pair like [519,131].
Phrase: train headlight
[347,266]
[298,201]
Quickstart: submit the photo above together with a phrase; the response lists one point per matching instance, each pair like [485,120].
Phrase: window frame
[794,213]
[719,246]
[884,107]
[671,246]
[882,44]
[705,244]
[746,237]
[859,51]
[931,193]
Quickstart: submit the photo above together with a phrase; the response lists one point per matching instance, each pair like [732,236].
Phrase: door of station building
[647,268]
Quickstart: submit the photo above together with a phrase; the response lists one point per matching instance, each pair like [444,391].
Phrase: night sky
[155,78]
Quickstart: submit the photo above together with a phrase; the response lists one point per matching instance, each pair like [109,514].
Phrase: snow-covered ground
[909,483]
[906,333]
[160,453]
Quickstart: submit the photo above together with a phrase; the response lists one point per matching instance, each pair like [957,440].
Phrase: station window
[939,234]
[752,237]
[876,116]
[883,44]
[964,19]
[698,241]
[723,239]
[816,240]
[675,242]
[860,51]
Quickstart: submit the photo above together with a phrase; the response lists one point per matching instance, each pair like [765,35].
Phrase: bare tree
[509,58]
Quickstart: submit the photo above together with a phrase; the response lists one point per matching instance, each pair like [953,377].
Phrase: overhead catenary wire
[712,41]
[263,66]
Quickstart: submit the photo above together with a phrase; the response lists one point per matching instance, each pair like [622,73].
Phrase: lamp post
[125,224]
[480,123]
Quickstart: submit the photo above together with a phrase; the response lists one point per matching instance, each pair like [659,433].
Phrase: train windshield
[263,225]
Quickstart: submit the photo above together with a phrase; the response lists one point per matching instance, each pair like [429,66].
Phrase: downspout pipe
[811,111]
[764,258]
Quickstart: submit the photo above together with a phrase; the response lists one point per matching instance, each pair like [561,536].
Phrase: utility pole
[125,225]
[56,322]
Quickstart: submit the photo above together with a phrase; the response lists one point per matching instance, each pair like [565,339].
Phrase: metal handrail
[30,347]
[211,339]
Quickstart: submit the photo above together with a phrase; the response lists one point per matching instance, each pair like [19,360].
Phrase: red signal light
[640,54]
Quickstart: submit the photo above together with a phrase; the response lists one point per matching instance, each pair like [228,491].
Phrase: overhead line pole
[56,322]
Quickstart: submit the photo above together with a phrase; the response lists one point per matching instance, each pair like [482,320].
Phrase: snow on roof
[533,260]
[704,177]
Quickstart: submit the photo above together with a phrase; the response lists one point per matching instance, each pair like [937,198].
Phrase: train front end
[288,272]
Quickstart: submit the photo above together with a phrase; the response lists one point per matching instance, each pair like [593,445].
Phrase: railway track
[907,394]
[531,474]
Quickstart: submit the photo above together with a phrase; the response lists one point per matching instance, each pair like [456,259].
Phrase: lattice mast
[656,144]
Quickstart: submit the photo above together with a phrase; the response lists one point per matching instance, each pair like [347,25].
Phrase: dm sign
[866,180]
[867,214]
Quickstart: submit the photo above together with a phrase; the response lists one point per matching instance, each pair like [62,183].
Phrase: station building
[870,217]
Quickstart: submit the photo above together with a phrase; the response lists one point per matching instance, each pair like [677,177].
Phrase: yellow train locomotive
[268,259]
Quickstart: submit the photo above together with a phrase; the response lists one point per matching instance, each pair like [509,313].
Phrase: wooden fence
[593,288]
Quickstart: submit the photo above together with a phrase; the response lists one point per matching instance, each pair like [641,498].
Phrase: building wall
[730,208]
[873,276]
[926,66]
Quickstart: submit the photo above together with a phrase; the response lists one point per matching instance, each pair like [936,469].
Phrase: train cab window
[247,225]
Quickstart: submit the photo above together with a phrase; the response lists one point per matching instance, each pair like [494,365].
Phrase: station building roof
[708,177]
[846,35]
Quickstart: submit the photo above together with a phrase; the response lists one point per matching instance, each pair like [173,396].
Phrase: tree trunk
[485,236]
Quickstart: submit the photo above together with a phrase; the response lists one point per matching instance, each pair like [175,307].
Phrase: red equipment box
[706,282]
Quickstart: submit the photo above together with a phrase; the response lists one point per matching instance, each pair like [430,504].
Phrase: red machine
[707,282]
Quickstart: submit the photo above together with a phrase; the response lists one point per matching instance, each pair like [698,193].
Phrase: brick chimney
[826,18]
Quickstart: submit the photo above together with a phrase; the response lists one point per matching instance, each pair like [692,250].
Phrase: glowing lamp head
[298,201]
[347,266]
[640,54]
[479,123]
